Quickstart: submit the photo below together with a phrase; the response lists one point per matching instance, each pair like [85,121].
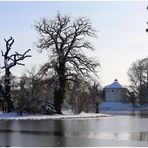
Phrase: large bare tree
[138,76]
[11,60]
[66,41]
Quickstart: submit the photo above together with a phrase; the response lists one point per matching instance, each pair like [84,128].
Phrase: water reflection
[58,133]
[141,136]
[6,137]
[126,130]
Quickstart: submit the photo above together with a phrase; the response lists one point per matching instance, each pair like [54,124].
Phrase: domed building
[115,98]
[115,92]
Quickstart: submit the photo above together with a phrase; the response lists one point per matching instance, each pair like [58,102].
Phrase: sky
[121,36]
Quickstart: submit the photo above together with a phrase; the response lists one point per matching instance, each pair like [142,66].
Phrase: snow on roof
[115,84]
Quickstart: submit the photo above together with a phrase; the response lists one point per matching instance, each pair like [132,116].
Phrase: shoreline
[83,115]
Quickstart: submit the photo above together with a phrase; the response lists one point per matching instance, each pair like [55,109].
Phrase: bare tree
[138,76]
[30,86]
[9,62]
[66,41]
[131,97]
[96,95]
[37,87]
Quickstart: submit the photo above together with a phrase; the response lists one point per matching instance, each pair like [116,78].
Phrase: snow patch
[120,106]
[67,115]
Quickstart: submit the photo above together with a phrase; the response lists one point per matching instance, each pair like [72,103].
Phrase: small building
[115,92]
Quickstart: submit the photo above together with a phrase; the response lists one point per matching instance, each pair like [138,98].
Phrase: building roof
[115,84]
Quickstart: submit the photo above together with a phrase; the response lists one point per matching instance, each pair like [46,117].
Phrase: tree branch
[13,59]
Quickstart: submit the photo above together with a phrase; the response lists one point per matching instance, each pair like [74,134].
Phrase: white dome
[115,84]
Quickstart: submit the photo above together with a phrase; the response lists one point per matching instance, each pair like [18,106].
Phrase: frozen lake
[119,130]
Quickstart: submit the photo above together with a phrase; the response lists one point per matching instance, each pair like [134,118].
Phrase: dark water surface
[119,130]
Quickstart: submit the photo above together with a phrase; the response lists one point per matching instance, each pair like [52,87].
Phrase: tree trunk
[59,95]
[59,92]
[7,91]
[97,107]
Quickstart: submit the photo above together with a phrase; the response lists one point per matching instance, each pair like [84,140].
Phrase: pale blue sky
[121,31]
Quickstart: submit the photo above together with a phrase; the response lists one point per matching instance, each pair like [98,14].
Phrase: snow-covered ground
[105,106]
[66,115]
[120,106]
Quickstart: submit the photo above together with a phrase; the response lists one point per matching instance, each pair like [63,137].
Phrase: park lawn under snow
[66,115]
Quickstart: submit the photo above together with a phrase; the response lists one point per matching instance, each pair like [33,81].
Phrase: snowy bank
[119,106]
[122,108]
[83,115]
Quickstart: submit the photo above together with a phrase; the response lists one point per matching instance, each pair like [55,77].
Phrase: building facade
[115,92]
